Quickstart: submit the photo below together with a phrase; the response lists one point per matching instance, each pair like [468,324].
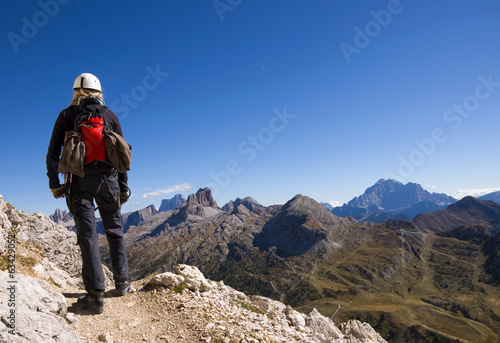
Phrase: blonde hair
[83,93]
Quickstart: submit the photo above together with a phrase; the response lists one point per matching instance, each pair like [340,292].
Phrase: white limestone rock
[193,278]
[38,312]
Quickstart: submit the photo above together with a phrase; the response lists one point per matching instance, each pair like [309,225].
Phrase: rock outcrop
[257,318]
[39,314]
[58,256]
[199,206]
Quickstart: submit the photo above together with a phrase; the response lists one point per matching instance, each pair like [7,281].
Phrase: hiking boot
[93,301]
[121,288]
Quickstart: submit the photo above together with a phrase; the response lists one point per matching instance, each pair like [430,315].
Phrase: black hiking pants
[104,189]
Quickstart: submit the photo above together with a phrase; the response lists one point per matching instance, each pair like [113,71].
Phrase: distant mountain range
[390,199]
[386,199]
[135,218]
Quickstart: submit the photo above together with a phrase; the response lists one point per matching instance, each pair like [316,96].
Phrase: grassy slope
[439,292]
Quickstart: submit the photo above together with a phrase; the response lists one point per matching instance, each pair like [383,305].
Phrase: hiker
[100,181]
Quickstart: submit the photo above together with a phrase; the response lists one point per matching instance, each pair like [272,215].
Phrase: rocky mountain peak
[251,204]
[61,216]
[392,199]
[132,218]
[203,197]
[172,204]
[392,194]
[476,207]
[305,208]
[200,205]
[302,225]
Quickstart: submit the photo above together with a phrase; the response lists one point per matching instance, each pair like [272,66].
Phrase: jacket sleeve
[54,151]
[116,127]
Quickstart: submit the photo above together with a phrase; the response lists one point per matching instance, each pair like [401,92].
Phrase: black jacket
[65,122]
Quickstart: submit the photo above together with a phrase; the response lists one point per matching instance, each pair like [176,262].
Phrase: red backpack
[92,128]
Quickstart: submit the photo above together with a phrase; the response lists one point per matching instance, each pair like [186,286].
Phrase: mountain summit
[197,207]
[201,204]
[392,199]
[302,225]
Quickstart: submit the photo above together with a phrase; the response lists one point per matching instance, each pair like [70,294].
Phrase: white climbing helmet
[87,81]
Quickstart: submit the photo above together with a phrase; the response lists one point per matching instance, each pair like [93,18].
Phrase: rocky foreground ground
[172,307]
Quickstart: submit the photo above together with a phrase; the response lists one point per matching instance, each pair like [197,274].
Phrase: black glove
[124,197]
[58,192]
[124,194]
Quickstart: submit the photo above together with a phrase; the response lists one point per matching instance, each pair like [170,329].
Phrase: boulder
[38,314]
[361,331]
[167,279]
[193,278]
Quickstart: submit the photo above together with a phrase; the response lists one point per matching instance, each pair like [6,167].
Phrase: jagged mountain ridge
[391,199]
[61,217]
[129,219]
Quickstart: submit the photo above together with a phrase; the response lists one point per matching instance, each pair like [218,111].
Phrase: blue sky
[258,98]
